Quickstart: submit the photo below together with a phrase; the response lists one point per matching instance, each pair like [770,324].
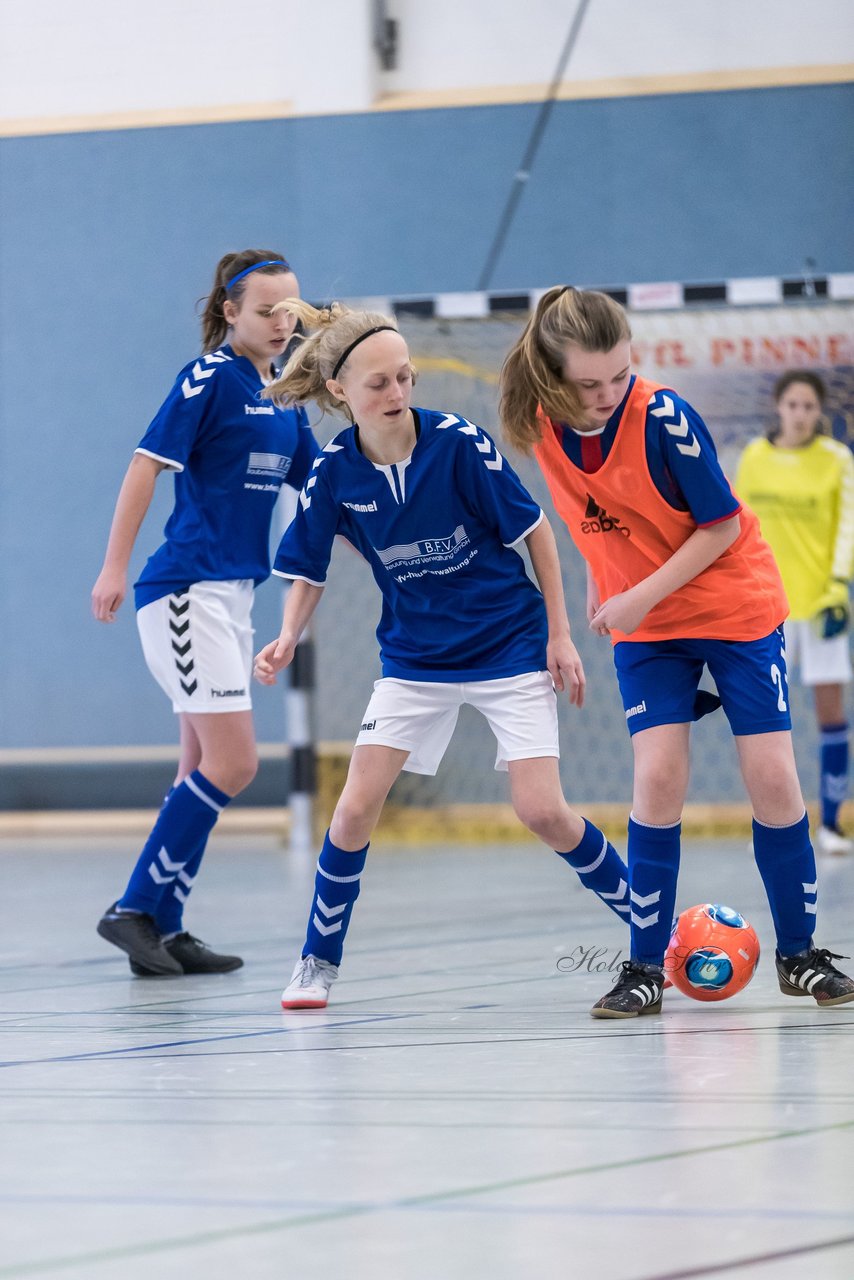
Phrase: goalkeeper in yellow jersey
[800,483]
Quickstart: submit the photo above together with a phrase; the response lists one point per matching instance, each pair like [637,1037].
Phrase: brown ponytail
[214,323]
[532,376]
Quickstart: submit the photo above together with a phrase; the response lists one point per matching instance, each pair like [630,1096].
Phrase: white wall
[72,58]
[451,43]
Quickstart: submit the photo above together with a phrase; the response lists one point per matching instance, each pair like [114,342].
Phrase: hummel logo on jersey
[367,726]
[636,711]
[361,506]
[597,520]
[259,408]
[228,693]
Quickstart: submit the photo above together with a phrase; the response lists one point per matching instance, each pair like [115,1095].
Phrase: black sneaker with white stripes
[812,974]
[637,992]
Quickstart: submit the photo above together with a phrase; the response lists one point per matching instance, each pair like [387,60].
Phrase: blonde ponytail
[330,331]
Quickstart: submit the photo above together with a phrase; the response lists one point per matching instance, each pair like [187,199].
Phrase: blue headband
[270,262]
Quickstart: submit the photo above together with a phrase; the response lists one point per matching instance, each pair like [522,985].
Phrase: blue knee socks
[653,857]
[178,838]
[786,863]
[600,868]
[336,888]
[169,912]
[833,761]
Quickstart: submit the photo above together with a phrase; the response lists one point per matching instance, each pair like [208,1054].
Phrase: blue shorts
[659,682]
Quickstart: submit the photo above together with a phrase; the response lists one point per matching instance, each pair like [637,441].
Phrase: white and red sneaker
[309,984]
[832,840]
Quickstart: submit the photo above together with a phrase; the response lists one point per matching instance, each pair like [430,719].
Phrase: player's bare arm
[132,504]
[626,611]
[593,601]
[303,599]
[564,663]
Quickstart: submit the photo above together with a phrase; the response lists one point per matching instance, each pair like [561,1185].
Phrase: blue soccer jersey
[683,463]
[438,530]
[232,451]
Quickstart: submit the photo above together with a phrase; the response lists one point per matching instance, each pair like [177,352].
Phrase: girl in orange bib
[680,578]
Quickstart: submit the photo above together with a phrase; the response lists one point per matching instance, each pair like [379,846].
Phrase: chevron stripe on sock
[653,855]
[599,867]
[786,862]
[336,888]
[180,832]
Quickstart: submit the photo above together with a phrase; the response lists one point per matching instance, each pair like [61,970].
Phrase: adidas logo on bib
[597,520]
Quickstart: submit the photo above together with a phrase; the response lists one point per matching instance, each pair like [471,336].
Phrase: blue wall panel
[107,240]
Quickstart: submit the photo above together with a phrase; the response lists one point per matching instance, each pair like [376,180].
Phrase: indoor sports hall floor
[455,1113]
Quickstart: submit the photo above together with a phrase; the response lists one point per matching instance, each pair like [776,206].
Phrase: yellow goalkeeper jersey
[804,499]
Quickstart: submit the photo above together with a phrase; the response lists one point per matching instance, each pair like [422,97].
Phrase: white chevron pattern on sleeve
[484,445]
[494,461]
[305,494]
[204,368]
[675,424]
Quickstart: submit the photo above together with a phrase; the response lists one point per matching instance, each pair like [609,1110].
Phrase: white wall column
[333,66]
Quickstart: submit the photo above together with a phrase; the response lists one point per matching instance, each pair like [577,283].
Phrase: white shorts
[818,661]
[198,645]
[419,716]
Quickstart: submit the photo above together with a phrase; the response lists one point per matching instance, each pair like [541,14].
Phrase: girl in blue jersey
[231,451]
[436,511]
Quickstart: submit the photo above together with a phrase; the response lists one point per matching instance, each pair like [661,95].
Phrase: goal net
[724,360]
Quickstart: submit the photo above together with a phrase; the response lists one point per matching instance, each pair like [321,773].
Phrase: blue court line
[450,1043]
[496,1038]
[409,943]
[236,991]
[177,1044]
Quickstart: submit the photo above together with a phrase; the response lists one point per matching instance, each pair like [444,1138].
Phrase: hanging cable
[524,171]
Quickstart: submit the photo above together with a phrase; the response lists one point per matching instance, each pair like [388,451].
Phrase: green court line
[205,1238]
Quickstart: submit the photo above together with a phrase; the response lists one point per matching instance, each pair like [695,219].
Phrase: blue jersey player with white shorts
[438,513]
[230,451]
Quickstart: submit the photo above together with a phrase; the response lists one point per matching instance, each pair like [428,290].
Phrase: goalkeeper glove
[834,614]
